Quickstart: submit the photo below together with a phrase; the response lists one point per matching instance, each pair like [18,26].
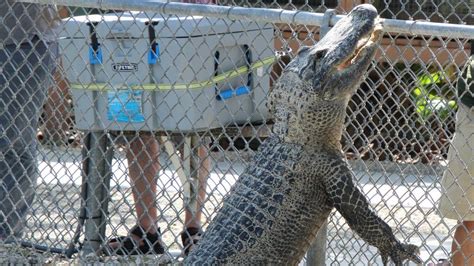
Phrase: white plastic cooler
[135,71]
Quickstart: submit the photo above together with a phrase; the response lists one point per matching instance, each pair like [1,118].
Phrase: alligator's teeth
[377,32]
[360,46]
[362,42]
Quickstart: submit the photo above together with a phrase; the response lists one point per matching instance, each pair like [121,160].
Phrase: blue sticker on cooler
[125,106]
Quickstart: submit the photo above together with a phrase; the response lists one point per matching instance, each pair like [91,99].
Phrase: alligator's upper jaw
[349,36]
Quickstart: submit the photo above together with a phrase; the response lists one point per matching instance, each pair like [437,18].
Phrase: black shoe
[190,237]
[128,246]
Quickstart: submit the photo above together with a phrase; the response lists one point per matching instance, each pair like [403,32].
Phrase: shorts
[457,199]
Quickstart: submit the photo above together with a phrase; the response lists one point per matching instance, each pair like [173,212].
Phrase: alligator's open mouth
[348,44]
[364,42]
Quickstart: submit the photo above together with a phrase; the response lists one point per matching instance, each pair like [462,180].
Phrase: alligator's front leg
[354,207]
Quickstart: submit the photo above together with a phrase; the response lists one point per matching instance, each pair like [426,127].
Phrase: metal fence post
[97,174]
[191,199]
[316,255]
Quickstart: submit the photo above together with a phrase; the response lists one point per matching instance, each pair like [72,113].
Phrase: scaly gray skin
[274,211]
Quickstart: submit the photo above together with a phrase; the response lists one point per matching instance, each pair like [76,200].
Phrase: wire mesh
[166,111]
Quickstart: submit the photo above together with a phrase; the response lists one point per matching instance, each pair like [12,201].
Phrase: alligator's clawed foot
[400,253]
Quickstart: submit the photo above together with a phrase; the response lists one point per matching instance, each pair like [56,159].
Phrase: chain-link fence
[149,118]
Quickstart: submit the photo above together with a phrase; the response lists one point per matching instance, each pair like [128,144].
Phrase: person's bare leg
[143,165]
[57,116]
[462,248]
[143,169]
[190,220]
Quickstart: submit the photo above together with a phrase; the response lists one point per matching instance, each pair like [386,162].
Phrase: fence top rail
[265,15]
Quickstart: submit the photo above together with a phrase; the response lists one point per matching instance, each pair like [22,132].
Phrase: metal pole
[191,162]
[97,171]
[316,255]
[265,15]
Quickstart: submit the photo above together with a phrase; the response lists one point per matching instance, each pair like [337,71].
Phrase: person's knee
[143,139]
[144,144]
[17,150]
[18,166]
[468,225]
[19,137]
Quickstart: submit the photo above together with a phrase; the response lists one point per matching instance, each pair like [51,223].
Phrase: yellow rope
[182,86]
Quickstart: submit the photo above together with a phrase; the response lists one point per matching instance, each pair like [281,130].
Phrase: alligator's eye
[316,57]
[320,54]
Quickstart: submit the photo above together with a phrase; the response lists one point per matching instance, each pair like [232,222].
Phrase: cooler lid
[134,25]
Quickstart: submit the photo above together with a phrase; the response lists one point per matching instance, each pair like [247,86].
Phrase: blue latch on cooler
[95,55]
[95,52]
[223,95]
[154,52]
[227,94]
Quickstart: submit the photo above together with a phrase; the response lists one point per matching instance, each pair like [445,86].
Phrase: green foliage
[429,97]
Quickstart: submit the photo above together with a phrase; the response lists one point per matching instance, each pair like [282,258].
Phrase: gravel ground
[405,196]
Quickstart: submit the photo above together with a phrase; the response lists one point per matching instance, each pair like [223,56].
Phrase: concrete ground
[405,196]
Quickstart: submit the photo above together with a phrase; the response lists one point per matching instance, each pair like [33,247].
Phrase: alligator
[299,174]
